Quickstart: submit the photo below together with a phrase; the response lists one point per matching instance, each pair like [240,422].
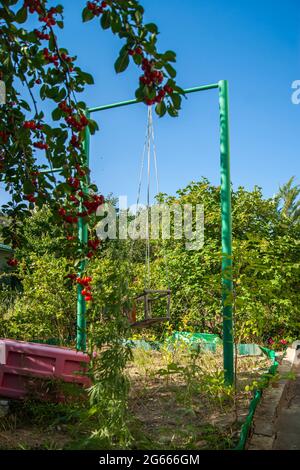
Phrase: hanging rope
[147,257]
[158,192]
[149,149]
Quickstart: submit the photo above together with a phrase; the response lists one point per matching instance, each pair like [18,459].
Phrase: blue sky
[254,44]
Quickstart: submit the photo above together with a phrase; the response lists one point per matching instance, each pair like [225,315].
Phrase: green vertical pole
[227,285]
[83,238]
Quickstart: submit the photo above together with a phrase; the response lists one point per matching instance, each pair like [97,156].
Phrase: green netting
[196,341]
[248,350]
[195,337]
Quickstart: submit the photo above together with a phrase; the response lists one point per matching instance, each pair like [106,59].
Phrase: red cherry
[62,212]
[12,262]
[138,51]
[168,89]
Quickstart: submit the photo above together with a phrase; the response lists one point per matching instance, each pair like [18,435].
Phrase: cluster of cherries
[49,18]
[85,282]
[70,219]
[51,58]
[34,6]
[69,60]
[41,145]
[93,245]
[74,182]
[96,7]
[152,77]
[30,198]
[33,126]
[54,59]
[41,35]
[90,202]
[12,262]
[92,205]
[78,123]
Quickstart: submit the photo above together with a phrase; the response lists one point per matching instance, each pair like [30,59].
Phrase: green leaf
[150,48]
[21,15]
[171,71]
[59,9]
[116,24]
[87,15]
[81,105]
[137,59]
[61,95]
[138,17]
[170,56]
[139,94]
[179,90]
[161,109]
[24,105]
[148,92]
[28,187]
[176,99]
[86,77]
[105,20]
[56,114]
[172,111]
[122,62]
[43,92]
[93,126]
[152,28]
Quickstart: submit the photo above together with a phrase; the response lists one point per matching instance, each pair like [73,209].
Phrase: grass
[178,400]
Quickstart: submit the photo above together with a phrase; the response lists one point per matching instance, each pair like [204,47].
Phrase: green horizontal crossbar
[129,102]
[55,170]
[120,104]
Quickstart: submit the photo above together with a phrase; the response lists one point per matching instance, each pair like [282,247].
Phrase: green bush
[47,306]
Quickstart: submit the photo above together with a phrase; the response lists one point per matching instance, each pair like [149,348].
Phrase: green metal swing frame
[226,226]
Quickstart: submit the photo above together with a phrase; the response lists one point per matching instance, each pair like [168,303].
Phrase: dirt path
[288,423]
